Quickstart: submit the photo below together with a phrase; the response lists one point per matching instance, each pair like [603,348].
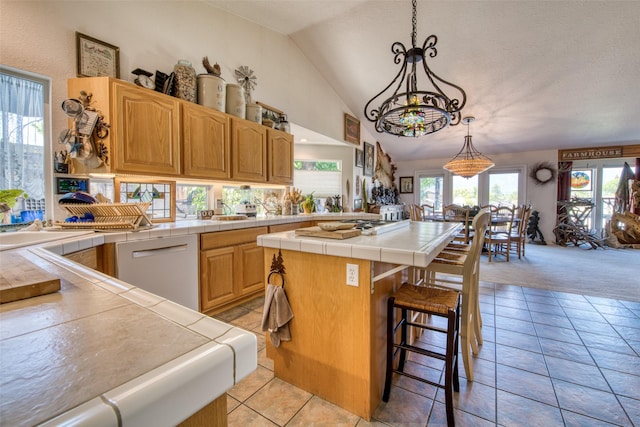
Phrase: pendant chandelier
[469,161]
[409,111]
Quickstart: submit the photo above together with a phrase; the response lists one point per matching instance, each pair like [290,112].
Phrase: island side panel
[330,351]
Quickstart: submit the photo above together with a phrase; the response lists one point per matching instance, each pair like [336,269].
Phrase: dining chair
[461,272]
[457,213]
[415,212]
[499,233]
[519,231]
[428,211]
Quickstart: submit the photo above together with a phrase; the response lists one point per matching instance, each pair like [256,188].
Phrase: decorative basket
[110,216]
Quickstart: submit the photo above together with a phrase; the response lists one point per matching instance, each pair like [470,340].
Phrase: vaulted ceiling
[538,74]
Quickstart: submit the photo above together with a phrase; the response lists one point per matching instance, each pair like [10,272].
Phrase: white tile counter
[409,243]
[101,352]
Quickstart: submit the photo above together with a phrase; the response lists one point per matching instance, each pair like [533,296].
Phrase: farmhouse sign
[590,153]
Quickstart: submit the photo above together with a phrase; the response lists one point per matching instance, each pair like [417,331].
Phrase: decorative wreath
[542,173]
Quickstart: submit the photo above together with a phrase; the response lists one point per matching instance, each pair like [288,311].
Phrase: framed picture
[96,58]
[406,184]
[161,194]
[368,159]
[359,158]
[351,129]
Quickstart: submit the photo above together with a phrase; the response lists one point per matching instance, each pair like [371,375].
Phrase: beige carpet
[612,273]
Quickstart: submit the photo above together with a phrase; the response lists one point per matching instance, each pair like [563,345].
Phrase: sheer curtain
[22,135]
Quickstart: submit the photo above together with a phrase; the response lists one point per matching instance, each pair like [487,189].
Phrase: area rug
[611,273]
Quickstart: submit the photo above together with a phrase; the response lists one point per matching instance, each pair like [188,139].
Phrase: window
[323,178]
[431,190]
[503,188]
[190,199]
[22,133]
[465,190]
[264,198]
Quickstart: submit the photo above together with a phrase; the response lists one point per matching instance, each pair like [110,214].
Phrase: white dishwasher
[167,267]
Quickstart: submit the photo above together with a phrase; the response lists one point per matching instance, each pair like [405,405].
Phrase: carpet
[610,273]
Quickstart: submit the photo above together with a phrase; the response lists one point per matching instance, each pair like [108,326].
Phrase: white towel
[276,315]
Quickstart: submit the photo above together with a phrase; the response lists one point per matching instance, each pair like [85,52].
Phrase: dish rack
[110,216]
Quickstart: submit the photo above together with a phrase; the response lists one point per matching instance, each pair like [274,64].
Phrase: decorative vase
[236,104]
[212,92]
[295,209]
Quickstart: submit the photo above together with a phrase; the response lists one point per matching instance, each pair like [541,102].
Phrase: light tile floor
[548,359]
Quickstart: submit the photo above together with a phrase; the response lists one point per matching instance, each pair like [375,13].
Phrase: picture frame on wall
[351,129]
[368,159]
[406,184]
[359,158]
[96,58]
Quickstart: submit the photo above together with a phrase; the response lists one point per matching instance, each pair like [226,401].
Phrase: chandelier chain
[414,23]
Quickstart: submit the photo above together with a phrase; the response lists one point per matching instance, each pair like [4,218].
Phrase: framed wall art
[406,184]
[359,158]
[351,129]
[96,58]
[368,159]
[161,194]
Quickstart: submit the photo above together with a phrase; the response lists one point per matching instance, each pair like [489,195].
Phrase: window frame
[46,129]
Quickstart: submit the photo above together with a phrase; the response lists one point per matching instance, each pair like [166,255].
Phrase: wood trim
[230,238]
[214,415]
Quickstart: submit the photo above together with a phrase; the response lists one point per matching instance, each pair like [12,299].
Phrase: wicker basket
[109,216]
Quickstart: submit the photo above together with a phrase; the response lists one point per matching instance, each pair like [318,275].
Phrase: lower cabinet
[231,268]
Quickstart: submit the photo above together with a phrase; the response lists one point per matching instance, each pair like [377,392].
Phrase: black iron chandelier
[409,111]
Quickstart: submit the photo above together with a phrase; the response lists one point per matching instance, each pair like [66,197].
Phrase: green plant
[308,204]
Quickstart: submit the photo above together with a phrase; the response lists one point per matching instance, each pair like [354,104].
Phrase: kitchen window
[323,178]
[23,129]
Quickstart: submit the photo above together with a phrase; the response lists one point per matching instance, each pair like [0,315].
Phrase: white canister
[212,92]
[254,113]
[236,104]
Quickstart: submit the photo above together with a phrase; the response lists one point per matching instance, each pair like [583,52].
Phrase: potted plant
[308,204]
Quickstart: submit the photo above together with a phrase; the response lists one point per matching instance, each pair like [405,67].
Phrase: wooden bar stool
[436,302]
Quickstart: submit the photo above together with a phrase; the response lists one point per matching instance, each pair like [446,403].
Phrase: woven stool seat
[433,300]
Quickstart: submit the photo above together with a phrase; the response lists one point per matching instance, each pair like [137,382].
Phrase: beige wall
[39,36]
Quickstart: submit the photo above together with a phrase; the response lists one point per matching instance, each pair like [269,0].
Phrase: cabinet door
[280,155]
[250,268]
[147,131]
[216,277]
[205,142]
[249,151]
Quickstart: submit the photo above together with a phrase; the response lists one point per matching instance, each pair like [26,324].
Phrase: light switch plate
[352,275]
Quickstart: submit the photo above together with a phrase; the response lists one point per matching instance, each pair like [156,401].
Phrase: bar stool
[431,301]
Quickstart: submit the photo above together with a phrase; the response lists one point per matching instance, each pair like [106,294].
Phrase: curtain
[564,180]
[22,139]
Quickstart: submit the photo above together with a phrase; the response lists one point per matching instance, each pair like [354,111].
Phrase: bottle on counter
[185,81]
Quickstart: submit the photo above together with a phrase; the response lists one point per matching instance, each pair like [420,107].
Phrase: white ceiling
[538,74]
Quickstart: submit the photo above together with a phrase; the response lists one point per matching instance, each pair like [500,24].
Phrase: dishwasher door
[167,267]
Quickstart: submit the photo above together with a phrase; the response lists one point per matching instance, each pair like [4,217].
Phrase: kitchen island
[337,350]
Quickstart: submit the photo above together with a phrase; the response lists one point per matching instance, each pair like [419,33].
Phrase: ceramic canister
[254,113]
[212,92]
[236,104]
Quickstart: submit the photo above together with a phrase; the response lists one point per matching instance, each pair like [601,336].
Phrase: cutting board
[318,232]
[21,279]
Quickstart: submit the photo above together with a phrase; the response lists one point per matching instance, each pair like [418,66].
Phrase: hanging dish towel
[276,315]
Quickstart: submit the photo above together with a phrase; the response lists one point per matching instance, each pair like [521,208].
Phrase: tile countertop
[101,352]
[408,243]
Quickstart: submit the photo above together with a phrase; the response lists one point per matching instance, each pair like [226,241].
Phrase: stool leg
[449,367]
[467,337]
[403,338]
[390,327]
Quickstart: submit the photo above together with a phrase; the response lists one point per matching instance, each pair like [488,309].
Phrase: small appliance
[246,207]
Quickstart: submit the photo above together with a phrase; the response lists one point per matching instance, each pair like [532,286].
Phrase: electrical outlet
[352,275]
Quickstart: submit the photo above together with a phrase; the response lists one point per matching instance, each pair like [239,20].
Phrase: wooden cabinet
[205,143]
[154,134]
[280,156]
[146,131]
[279,228]
[249,151]
[231,268]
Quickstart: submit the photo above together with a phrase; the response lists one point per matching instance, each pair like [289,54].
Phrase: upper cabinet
[280,154]
[205,142]
[146,131]
[155,134]
[249,150]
